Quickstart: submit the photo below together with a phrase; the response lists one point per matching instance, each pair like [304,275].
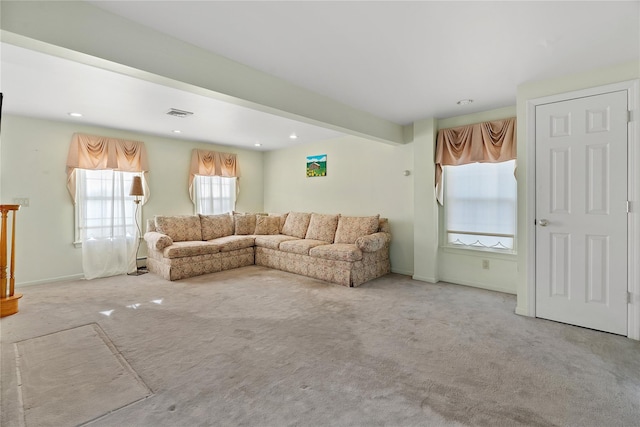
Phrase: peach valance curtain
[100,153]
[211,163]
[488,142]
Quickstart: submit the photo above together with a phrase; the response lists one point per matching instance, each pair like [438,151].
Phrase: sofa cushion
[272,241]
[214,226]
[384,225]
[296,224]
[337,252]
[179,227]
[244,224]
[151,225]
[267,225]
[300,246]
[352,227]
[322,227]
[283,218]
[190,248]
[232,243]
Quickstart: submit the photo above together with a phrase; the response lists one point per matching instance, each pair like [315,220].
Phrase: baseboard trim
[51,280]
[522,311]
[479,285]
[425,279]
[401,271]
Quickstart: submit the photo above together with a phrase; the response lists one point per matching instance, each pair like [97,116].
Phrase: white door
[581,212]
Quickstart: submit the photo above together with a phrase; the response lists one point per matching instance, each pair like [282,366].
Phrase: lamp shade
[136,187]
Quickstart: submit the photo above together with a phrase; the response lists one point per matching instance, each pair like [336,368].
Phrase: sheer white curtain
[106,222]
[214,194]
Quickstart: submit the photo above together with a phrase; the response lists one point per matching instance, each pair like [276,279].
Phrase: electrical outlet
[485,264]
[22,201]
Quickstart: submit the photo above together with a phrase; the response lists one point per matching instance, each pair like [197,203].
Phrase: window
[480,206]
[104,208]
[214,194]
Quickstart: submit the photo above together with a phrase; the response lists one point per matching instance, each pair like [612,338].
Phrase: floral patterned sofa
[346,250]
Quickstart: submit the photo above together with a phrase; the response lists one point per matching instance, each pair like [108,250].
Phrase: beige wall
[33,156]
[363,178]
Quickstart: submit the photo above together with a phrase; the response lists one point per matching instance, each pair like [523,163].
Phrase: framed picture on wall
[316,165]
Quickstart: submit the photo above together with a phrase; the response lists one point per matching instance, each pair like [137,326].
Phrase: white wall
[363,178]
[425,207]
[33,158]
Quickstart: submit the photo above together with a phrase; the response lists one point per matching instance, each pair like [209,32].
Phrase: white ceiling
[39,85]
[400,61]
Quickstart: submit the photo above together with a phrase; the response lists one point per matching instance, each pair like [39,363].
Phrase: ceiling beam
[84,33]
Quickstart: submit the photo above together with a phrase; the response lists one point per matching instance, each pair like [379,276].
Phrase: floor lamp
[138,193]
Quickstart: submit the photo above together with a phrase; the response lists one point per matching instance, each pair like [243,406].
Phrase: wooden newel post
[8,297]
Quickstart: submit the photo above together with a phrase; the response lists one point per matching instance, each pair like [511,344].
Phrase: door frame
[632,87]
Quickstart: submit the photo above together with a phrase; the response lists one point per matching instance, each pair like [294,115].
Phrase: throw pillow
[283,218]
[245,224]
[215,226]
[180,228]
[352,227]
[267,225]
[296,224]
[322,227]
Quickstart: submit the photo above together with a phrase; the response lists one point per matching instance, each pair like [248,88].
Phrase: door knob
[543,222]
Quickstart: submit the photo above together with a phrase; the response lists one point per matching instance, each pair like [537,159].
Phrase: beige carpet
[73,376]
[259,347]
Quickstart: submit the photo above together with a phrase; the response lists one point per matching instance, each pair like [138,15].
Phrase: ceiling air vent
[179,113]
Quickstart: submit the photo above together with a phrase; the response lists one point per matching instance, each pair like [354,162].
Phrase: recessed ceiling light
[176,131]
[464,102]
[293,136]
[257,144]
[75,114]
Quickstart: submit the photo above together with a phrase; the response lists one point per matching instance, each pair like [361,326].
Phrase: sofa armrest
[157,241]
[373,242]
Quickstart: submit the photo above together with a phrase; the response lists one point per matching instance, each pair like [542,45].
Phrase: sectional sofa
[346,250]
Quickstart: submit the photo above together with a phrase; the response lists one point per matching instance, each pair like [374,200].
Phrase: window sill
[509,255]
[78,244]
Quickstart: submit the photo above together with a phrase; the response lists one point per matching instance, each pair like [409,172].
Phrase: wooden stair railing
[8,297]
